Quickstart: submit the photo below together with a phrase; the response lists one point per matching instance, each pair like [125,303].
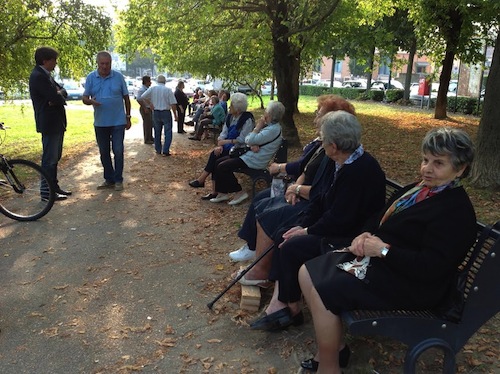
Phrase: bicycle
[26,192]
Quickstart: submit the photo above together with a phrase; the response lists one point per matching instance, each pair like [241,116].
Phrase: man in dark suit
[48,100]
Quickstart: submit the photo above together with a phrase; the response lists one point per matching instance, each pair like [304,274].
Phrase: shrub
[376,95]
[392,95]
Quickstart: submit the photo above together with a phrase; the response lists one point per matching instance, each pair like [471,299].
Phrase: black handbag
[238,150]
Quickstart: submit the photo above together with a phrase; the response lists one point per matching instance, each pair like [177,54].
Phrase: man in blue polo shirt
[107,92]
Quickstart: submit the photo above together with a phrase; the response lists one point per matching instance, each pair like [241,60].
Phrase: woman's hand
[260,124]
[255,148]
[290,195]
[218,151]
[294,231]
[367,244]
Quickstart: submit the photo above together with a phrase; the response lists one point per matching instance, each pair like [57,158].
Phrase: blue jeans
[162,120]
[52,145]
[111,138]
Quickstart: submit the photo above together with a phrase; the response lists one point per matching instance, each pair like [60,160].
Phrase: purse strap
[261,145]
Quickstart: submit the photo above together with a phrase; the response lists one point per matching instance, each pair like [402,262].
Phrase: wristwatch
[297,190]
[384,251]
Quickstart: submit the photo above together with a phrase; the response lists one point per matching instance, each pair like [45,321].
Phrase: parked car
[74,89]
[265,88]
[326,83]
[384,85]
[357,83]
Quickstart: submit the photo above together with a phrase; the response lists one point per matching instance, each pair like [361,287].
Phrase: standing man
[145,110]
[182,104]
[107,92]
[48,100]
[161,100]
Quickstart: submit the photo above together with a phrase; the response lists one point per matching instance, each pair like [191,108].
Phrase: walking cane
[242,273]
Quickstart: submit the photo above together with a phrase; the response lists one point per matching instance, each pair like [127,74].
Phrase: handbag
[238,150]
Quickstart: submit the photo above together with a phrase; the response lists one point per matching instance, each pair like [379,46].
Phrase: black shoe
[312,364]
[194,138]
[196,184]
[209,196]
[59,197]
[182,132]
[62,192]
[279,320]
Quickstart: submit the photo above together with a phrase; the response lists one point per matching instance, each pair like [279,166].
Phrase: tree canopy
[77,30]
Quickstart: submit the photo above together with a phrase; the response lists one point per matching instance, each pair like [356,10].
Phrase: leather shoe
[209,196]
[277,321]
[344,355]
[62,192]
[196,184]
[59,197]
[194,138]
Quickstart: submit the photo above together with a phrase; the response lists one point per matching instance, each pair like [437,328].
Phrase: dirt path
[113,282]
[119,281]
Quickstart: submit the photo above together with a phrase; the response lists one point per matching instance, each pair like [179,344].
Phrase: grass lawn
[391,133]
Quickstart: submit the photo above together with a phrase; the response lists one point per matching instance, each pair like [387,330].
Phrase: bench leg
[414,353]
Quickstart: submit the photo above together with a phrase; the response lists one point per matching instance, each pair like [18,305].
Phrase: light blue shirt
[109,91]
[259,160]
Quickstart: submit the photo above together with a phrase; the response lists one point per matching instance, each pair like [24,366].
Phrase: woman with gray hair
[264,141]
[238,124]
[352,190]
[407,256]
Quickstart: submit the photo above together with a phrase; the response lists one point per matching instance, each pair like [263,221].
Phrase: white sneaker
[242,254]
[220,198]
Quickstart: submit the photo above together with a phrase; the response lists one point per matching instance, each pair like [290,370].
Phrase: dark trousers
[147,124]
[248,230]
[287,261]
[225,180]
[212,162]
[52,145]
[181,115]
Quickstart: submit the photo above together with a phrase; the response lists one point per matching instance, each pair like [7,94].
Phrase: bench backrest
[281,155]
[482,286]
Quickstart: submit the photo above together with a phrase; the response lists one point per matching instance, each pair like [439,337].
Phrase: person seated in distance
[238,124]
[263,141]
[215,116]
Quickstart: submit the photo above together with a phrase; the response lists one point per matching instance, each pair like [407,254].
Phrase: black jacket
[50,119]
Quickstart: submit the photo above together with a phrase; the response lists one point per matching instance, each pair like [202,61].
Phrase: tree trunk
[286,67]
[409,69]
[486,166]
[444,82]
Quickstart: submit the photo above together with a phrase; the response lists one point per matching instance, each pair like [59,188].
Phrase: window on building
[338,66]
[421,67]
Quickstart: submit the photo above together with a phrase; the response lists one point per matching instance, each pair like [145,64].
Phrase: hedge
[460,104]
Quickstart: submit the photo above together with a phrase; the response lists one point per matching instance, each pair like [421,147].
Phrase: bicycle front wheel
[26,193]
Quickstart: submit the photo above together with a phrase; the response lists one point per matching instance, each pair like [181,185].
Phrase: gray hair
[161,79]
[276,110]
[342,129]
[104,54]
[453,142]
[239,101]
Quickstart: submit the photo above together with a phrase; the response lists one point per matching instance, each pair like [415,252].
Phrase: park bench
[262,175]
[421,330]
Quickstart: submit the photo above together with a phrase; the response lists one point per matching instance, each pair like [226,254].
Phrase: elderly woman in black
[408,255]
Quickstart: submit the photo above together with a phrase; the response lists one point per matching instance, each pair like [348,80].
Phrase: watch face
[384,251]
